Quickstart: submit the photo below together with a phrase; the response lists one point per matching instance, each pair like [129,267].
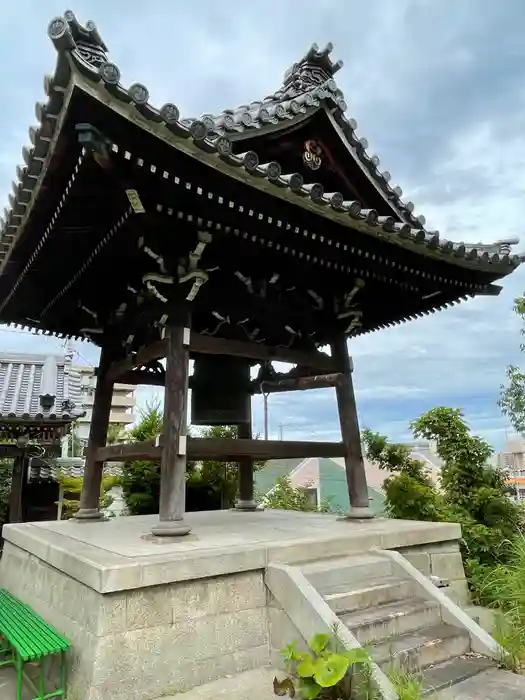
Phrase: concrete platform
[152,618]
[120,554]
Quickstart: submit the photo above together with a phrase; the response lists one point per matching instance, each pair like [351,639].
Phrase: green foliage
[473,493]
[75,445]
[407,684]
[410,493]
[503,588]
[512,397]
[327,671]
[72,486]
[211,483]
[6,470]
[284,496]
[141,479]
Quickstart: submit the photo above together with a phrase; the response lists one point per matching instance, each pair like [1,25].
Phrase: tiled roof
[39,388]
[50,469]
[82,61]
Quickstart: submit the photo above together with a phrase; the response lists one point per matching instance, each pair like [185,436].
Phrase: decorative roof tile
[39,388]
[51,469]
[308,85]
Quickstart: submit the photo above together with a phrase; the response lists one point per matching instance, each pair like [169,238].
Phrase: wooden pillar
[354,463]
[90,497]
[173,462]
[18,481]
[246,490]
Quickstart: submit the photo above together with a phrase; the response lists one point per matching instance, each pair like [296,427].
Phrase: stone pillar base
[247,505]
[89,515]
[170,528]
[359,514]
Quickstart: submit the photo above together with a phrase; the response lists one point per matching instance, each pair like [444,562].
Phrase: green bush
[472,493]
[211,485]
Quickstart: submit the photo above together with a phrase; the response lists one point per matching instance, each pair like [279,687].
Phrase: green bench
[26,638]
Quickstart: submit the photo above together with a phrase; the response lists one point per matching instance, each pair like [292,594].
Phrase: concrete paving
[251,685]
[491,685]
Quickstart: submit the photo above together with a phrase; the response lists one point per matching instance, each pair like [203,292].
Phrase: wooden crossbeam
[320,381]
[210,345]
[222,449]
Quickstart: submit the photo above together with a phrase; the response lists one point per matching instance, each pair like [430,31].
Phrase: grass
[505,587]
[407,684]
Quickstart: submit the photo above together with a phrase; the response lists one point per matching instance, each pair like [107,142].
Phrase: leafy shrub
[326,672]
[72,486]
[473,493]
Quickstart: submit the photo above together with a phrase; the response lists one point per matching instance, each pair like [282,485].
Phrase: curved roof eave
[101,80]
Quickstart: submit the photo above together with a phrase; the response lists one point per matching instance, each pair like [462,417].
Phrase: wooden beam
[210,345]
[155,351]
[320,381]
[140,377]
[225,450]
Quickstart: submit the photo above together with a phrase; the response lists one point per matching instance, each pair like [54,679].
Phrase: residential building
[324,480]
[122,407]
[512,461]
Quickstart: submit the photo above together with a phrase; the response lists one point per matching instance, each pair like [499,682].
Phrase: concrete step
[327,574]
[394,619]
[495,684]
[250,685]
[417,650]
[367,595]
[448,673]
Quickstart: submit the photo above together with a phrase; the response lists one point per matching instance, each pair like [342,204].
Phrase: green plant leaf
[307,667]
[319,643]
[309,689]
[330,669]
[357,656]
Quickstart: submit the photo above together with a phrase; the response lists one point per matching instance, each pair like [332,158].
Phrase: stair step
[367,595]
[495,684]
[417,650]
[454,671]
[397,618]
[326,574]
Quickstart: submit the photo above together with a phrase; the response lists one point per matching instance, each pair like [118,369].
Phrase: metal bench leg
[19,676]
[63,674]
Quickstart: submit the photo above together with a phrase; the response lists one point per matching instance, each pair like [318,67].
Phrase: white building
[122,407]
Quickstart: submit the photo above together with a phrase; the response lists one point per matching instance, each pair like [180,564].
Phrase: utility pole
[265,405]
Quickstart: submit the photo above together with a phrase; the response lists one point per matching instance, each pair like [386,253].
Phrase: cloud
[436,88]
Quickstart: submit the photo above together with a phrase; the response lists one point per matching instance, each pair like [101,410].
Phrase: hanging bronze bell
[220,390]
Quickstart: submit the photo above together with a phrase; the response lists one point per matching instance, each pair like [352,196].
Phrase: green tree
[512,397]
[473,493]
[141,479]
[210,484]
[75,444]
[410,492]
[116,433]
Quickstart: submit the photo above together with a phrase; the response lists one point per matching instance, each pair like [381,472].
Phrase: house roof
[51,469]
[38,390]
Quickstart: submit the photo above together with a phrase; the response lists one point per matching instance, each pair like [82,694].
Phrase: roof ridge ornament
[314,69]
[67,34]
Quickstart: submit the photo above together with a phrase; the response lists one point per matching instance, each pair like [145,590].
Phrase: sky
[436,88]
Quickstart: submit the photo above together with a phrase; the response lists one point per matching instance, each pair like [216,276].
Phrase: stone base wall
[150,642]
[441,559]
